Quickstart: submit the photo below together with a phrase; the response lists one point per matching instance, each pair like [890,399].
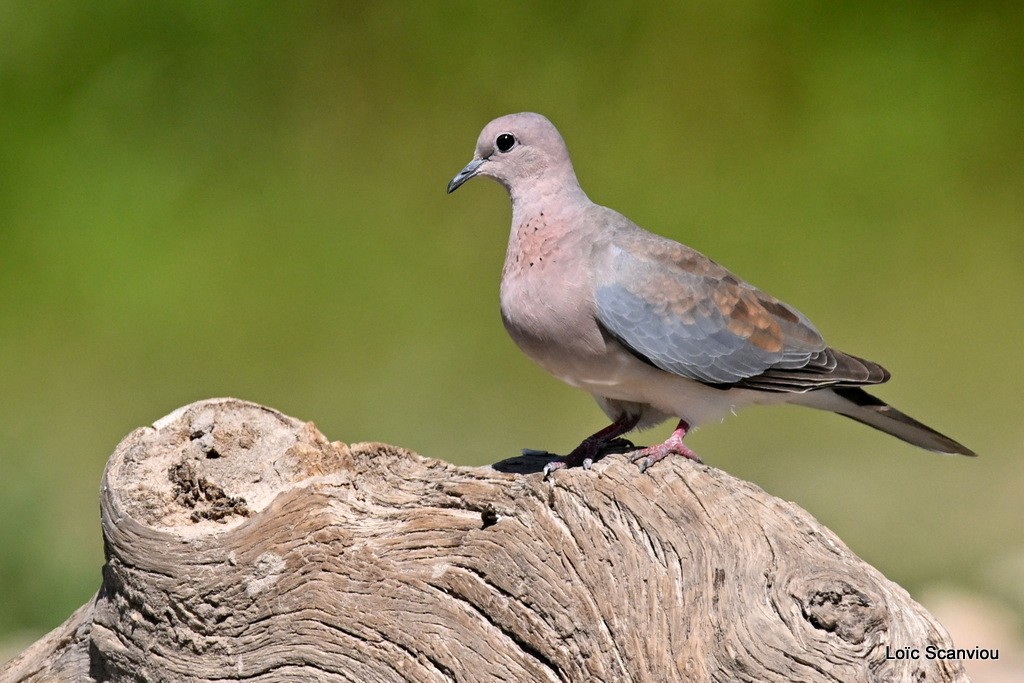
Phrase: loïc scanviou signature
[936,652]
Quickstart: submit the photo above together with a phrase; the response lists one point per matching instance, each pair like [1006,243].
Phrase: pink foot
[590,448]
[673,445]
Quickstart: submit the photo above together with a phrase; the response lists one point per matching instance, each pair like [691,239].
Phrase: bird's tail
[859,405]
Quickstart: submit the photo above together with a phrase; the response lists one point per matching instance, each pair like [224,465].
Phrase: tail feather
[861,406]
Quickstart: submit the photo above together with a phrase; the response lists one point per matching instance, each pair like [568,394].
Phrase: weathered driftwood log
[242,545]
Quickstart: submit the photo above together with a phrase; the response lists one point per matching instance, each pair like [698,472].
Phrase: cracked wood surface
[243,545]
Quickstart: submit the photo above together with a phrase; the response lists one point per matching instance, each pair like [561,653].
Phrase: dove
[651,328]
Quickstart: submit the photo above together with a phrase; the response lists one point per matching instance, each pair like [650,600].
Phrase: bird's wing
[683,313]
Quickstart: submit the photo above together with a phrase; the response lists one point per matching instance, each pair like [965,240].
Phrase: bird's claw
[645,457]
[559,464]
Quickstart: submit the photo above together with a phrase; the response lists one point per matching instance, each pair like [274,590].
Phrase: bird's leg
[645,457]
[590,448]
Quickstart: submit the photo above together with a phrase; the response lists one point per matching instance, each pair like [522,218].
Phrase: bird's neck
[549,199]
[546,227]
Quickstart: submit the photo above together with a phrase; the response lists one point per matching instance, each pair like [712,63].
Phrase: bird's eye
[505,142]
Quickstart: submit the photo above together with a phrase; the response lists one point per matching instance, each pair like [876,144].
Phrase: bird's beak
[471,169]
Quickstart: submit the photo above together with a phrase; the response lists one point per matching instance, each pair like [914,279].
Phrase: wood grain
[243,545]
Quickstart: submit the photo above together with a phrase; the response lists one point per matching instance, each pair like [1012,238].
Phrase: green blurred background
[206,199]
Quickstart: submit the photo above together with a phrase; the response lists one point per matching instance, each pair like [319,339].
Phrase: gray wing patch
[683,313]
[701,344]
[695,342]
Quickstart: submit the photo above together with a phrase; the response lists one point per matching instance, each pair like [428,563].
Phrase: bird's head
[520,151]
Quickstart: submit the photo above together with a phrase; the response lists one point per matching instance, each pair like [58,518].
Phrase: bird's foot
[584,455]
[594,446]
[673,445]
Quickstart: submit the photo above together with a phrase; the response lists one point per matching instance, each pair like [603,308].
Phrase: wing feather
[681,312]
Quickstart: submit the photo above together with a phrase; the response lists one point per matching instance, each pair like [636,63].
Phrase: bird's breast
[547,306]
